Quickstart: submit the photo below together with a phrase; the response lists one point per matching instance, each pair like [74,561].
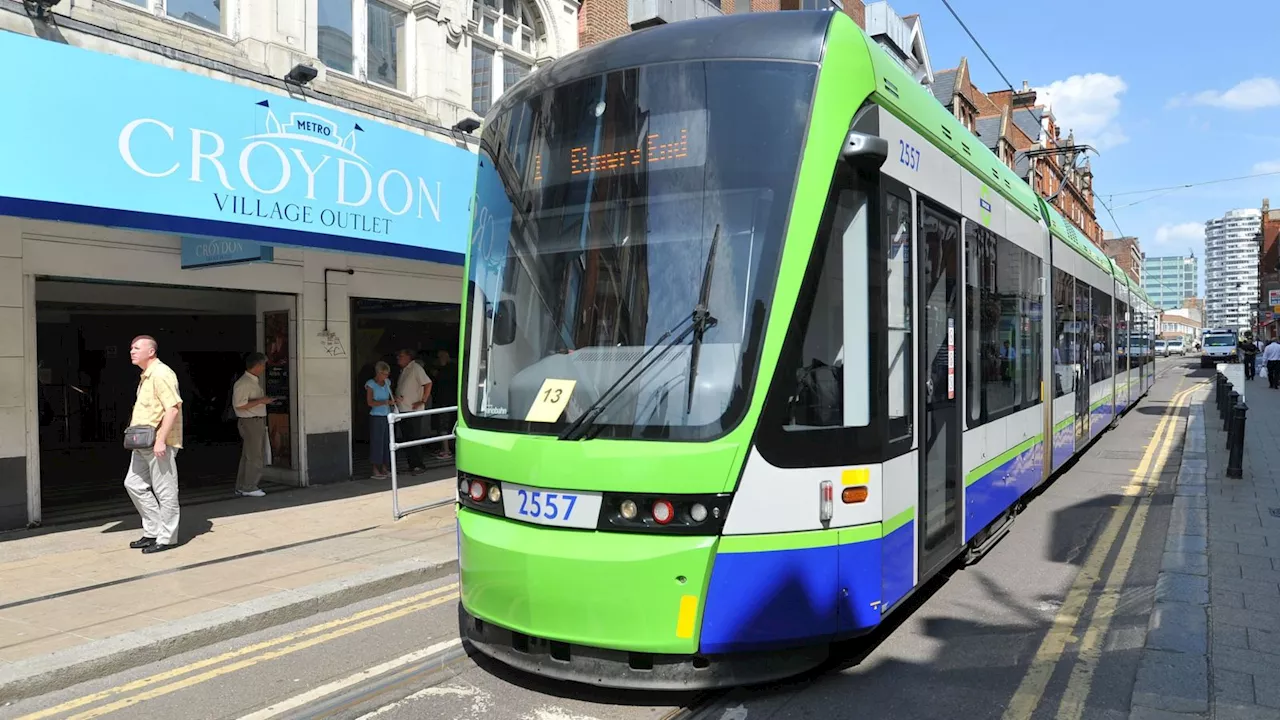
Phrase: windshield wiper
[701,319]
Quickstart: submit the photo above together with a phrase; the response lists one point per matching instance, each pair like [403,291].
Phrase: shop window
[367,39]
[506,36]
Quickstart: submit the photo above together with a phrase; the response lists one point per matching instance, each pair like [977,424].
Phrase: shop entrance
[379,329]
[86,386]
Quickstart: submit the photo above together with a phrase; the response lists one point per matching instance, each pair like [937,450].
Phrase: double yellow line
[1146,477]
[171,681]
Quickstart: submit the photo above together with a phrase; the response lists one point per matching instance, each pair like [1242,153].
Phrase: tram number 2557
[908,155]
[535,503]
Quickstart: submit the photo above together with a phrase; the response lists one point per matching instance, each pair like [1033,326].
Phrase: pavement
[1214,646]
[76,603]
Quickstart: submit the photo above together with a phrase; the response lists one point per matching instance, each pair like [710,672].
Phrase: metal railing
[392,419]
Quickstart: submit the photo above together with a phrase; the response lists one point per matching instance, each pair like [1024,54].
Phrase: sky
[1169,93]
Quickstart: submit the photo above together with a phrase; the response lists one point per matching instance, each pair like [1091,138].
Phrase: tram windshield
[609,212]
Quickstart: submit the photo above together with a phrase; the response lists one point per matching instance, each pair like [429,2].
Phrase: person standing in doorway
[250,402]
[445,390]
[152,479]
[378,395]
[413,391]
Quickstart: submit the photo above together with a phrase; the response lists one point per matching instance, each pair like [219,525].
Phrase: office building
[1231,269]
[1170,279]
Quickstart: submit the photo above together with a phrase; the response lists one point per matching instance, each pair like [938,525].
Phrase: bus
[757,339]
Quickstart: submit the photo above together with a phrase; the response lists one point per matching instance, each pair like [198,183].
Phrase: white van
[1219,347]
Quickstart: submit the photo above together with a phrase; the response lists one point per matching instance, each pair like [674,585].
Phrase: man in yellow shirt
[152,480]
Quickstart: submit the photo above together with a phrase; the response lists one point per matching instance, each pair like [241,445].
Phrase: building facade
[1026,137]
[600,20]
[1170,279]
[1176,326]
[291,177]
[1231,269]
[1269,270]
[1127,252]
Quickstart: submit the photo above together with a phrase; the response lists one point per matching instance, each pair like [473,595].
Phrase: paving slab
[77,603]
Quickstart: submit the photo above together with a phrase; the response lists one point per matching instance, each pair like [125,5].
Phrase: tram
[757,339]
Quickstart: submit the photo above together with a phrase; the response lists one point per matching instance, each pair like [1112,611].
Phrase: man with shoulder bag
[154,436]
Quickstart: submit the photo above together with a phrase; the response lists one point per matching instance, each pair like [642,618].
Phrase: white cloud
[1259,92]
[1088,105]
[1186,233]
[1268,166]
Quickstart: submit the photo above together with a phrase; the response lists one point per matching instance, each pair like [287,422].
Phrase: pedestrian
[152,479]
[1271,356]
[413,391]
[444,388]
[1248,355]
[378,395]
[250,402]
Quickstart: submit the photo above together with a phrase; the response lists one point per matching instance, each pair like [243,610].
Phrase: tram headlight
[663,512]
[464,487]
[698,512]
[628,509]
[495,494]
[477,490]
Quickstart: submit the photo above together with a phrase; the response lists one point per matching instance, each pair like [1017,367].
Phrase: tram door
[942,401]
[1084,348]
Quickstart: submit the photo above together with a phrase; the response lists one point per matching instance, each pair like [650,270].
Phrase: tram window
[1003,331]
[1084,335]
[900,292]
[825,395]
[1101,335]
[1033,329]
[1064,345]
[1121,324]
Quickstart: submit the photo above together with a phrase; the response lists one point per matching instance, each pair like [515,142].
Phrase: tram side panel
[1004,445]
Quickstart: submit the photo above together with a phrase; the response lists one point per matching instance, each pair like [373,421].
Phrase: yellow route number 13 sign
[552,399]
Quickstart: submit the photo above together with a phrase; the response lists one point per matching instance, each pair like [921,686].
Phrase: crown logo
[310,128]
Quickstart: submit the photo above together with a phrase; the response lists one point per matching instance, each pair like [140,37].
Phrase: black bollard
[1235,461]
[1232,399]
[1219,391]
[1227,389]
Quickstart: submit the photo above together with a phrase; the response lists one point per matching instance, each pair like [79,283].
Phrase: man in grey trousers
[250,402]
[152,479]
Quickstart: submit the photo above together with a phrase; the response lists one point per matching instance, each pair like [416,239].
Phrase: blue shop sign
[215,252]
[142,146]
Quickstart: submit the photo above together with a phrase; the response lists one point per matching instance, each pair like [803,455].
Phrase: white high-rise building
[1231,269]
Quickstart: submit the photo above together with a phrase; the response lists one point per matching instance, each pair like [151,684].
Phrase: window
[208,15]
[1064,344]
[1003,321]
[378,52]
[823,397]
[507,35]
[1121,323]
[899,292]
[1101,335]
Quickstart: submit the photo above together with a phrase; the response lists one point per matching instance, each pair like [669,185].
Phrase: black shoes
[149,545]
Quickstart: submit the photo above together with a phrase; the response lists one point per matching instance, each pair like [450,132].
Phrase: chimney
[1026,97]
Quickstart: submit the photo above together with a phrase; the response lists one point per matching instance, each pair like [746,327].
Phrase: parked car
[1162,348]
[1176,347]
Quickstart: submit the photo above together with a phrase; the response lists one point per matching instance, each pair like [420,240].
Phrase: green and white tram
[758,338]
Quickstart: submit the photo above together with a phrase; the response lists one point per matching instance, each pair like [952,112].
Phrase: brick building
[1027,138]
[1127,253]
[1268,267]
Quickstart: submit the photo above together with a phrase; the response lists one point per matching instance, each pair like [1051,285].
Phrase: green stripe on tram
[982,470]
[815,538]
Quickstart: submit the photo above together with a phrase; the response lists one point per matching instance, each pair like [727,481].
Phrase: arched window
[506,36]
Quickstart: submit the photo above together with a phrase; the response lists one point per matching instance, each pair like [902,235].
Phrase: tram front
[631,206]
